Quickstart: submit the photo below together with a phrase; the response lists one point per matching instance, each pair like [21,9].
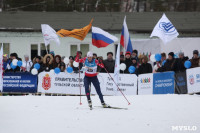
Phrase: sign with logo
[126,82]
[145,84]
[66,83]
[180,83]
[20,82]
[193,80]
[163,83]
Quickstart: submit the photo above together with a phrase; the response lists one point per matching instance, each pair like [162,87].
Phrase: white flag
[49,34]
[165,30]
[116,71]
[1,69]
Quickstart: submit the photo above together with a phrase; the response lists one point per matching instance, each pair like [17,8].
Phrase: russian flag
[101,38]
[125,38]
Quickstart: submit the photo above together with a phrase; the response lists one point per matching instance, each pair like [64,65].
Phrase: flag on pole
[101,38]
[125,38]
[117,68]
[1,69]
[76,33]
[49,34]
[165,30]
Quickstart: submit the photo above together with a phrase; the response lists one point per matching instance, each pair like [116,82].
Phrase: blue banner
[19,82]
[163,83]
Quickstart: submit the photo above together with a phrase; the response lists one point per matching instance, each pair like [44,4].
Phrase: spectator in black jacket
[128,61]
[48,62]
[135,64]
[179,64]
[12,57]
[169,64]
[109,63]
[39,60]
[145,67]
[135,54]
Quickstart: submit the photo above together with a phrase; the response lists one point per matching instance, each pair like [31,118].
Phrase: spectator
[169,64]
[128,61]
[48,62]
[135,64]
[6,62]
[145,67]
[122,59]
[62,59]
[71,60]
[100,59]
[163,57]
[135,54]
[76,69]
[195,59]
[109,63]
[94,55]
[27,64]
[12,57]
[57,63]
[179,64]
[39,60]
[157,66]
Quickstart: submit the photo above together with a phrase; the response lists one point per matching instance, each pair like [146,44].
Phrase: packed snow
[63,114]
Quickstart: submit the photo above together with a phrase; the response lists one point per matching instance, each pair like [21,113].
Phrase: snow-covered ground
[63,114]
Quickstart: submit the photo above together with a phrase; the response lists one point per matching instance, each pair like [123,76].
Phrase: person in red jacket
[91,76]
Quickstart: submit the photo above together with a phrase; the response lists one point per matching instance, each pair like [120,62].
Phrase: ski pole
[79,83]
[117,86]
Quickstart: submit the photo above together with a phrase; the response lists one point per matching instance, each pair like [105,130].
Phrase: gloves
[101,65]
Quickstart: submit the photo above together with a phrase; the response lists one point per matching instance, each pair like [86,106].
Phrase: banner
[180,83]
[193,80]
[163,83]
[145,84]
[20,82]
[126,82]
[60,83]
[69,84]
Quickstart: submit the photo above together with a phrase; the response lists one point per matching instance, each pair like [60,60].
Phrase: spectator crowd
[141,63]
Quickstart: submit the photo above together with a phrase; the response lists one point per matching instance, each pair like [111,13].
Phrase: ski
[111,107]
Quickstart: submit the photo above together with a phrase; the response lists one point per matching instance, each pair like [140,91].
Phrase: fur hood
[45,58]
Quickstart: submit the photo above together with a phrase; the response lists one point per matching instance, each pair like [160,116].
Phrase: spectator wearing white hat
[27,64]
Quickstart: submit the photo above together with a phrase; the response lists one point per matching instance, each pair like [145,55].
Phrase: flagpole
[46,49]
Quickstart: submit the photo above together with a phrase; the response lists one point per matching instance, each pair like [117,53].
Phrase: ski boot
[105,105]
[90,104]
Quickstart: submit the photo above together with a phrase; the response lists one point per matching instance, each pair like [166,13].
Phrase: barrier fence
[130,84]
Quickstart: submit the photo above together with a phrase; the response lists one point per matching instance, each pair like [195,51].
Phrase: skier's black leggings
[95,82]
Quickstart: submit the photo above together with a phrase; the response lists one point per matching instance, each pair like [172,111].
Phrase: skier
[91,76]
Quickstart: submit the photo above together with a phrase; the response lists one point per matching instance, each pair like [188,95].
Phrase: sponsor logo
[46,82]
[145,80]
[167,28]
[191,79]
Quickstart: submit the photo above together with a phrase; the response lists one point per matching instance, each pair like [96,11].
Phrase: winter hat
[71,58]
[133,58]
[14,54]
[38,57]
[5,55]
[196,52]
[128,53]
[172,54]
[122,56]
[181,53]
[135,51]
[89,54]
[110,53]
[52,53]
